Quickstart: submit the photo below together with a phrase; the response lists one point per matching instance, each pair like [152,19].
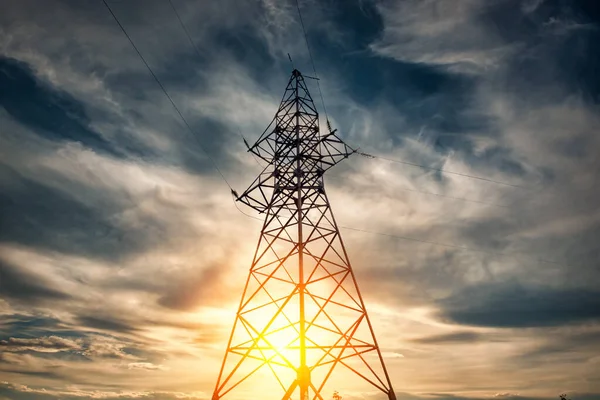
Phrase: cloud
[37,325]
[26,287]
[92,346]
[563,345]
[145,366]
[191,292]
[48,344]
[452,338]
[434,32]
[31,217]
[47,111]
[513,305]
[105,323]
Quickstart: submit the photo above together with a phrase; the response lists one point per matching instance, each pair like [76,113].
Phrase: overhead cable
[166,93]
[312,61]
[439,244]
[371,156]
[485,203]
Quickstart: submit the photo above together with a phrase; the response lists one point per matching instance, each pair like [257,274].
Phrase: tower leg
[290,391]
[304,381]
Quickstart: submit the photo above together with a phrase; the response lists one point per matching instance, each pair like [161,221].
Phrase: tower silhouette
[301,317]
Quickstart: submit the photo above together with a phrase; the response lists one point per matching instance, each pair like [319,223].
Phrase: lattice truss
[301,315]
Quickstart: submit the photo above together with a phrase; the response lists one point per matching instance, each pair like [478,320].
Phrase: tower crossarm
[257,195]
[293,145]
[334,149]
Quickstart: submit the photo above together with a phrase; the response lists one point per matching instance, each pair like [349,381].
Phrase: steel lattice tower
[301,315]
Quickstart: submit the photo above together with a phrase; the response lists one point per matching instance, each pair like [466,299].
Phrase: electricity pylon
[301,315]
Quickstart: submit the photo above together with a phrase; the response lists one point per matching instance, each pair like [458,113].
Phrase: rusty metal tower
[301,317]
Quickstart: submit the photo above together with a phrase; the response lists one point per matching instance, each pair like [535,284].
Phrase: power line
[440,244]
[438,195]
[166,93]
[251,153]
[452,246]
[187,34]
[324,108]
[189,37]
[454,198]
[379,157]
[312,62]
[185,30]
[371,156]
[242,211]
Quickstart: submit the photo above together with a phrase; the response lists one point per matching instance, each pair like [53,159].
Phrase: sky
[123,256]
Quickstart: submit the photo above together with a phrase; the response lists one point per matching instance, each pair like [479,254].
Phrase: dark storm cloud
[187,72]
[246,47]
[580,250]
[55,113]
[418,94]
[491,233]
[48,111]
[106,323]
[561,40]
[546,52]
[35,214]
[23,287]
[422,95]
[192,148]
[22,325]
[511,305]
[562,346]
[566,252]
[425,95]
[416,281]
[455,337]
[209,136]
